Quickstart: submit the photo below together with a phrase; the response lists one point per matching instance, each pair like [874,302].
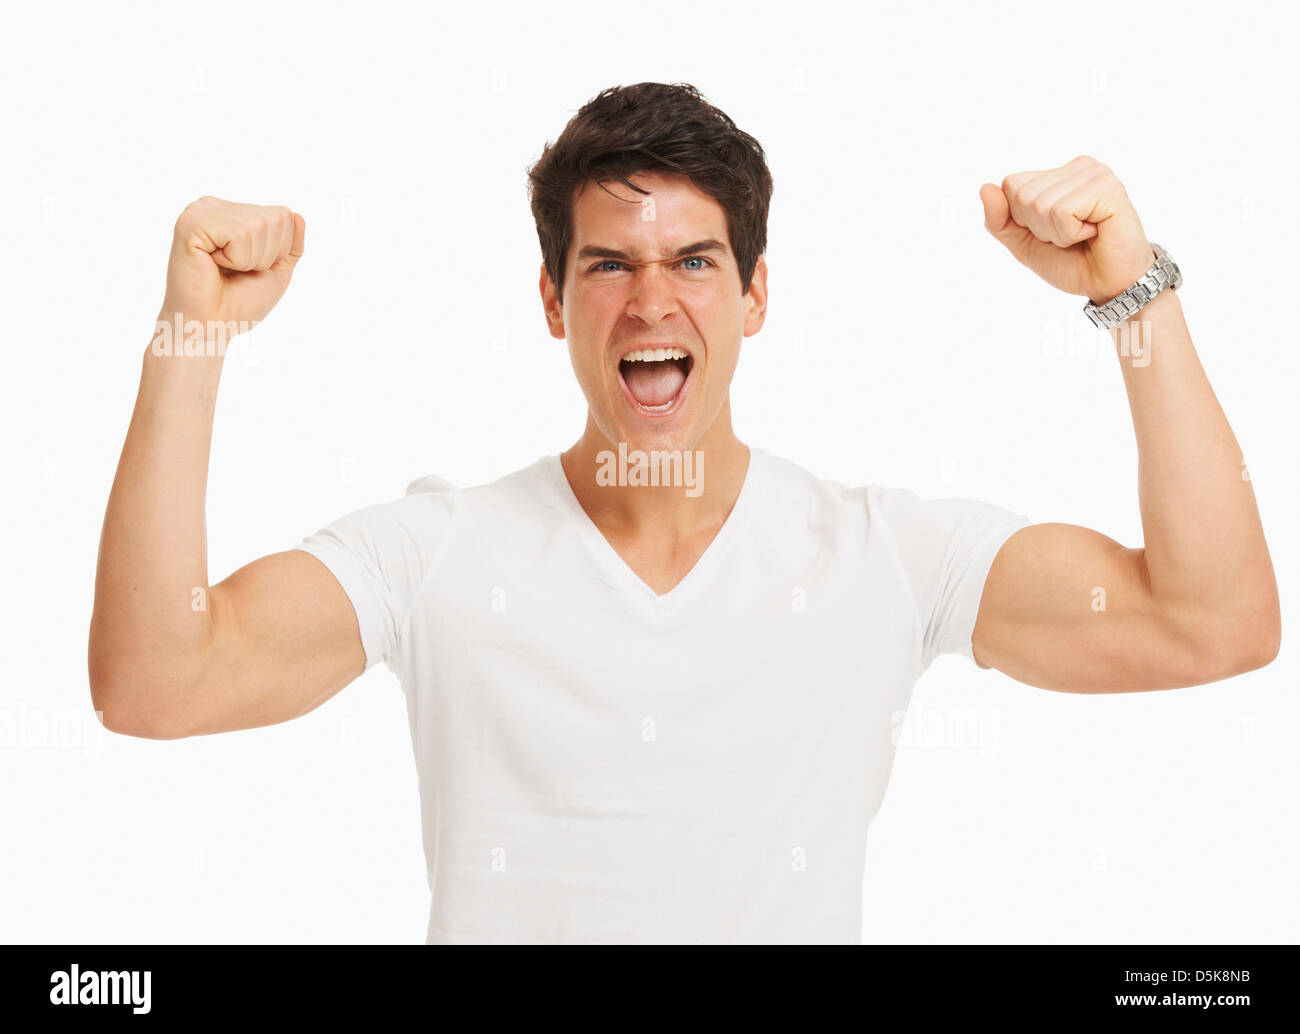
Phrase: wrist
[178,335]
[1166,301]
[175,372]
[1160,278]
[1106,292]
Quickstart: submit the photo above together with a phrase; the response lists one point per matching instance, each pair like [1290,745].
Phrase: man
[650,679]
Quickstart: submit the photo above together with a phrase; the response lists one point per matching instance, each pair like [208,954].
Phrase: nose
[652,297]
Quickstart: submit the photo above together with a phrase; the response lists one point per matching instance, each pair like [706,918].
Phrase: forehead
[673,212]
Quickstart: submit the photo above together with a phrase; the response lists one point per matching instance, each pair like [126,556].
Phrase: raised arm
[170,655]
[1067,608]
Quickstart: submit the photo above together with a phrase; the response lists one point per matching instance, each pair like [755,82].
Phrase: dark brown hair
[652,127]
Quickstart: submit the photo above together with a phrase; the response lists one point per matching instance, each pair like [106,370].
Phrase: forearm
[149,622]
[1205,553]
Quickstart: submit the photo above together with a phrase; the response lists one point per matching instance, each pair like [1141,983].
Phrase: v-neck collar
[618,569]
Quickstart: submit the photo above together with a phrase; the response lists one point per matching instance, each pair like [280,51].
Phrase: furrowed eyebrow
[599,251]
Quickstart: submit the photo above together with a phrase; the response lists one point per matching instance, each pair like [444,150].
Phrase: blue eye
[603,266]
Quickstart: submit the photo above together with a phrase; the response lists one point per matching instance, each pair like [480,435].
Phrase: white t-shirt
[598,763]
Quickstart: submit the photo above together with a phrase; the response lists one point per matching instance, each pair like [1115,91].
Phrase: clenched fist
[1074,226]
[230,261]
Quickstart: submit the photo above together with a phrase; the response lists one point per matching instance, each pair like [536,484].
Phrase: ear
[552,306]
[756,298]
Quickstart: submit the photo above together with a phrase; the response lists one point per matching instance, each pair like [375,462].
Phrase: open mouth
[655,379]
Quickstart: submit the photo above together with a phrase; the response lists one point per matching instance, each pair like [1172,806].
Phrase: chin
[650,439]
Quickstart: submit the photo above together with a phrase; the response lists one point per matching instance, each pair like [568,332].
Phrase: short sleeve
[381,554]
[946,547]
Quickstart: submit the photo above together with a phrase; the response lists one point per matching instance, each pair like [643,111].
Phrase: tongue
[653,384]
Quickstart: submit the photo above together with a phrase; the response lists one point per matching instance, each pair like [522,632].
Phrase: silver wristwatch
[1165,273]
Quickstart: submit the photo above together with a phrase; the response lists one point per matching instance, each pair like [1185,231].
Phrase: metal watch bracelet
[1164,274]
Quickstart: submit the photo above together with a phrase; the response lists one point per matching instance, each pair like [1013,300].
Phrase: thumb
[290,260]
[299,237]
[997,220]
[997,211]
[287,261]
[223,260]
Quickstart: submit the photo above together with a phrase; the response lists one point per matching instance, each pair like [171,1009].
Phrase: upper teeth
[654,355]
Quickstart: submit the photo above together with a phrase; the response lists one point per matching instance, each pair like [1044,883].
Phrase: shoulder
[822,498]
[431,484]
[920,530]
[517,503]
[797,485]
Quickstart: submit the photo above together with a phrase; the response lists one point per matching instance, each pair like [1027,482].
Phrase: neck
[670,511]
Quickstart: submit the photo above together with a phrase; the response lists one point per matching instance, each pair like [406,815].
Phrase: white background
[904,347]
